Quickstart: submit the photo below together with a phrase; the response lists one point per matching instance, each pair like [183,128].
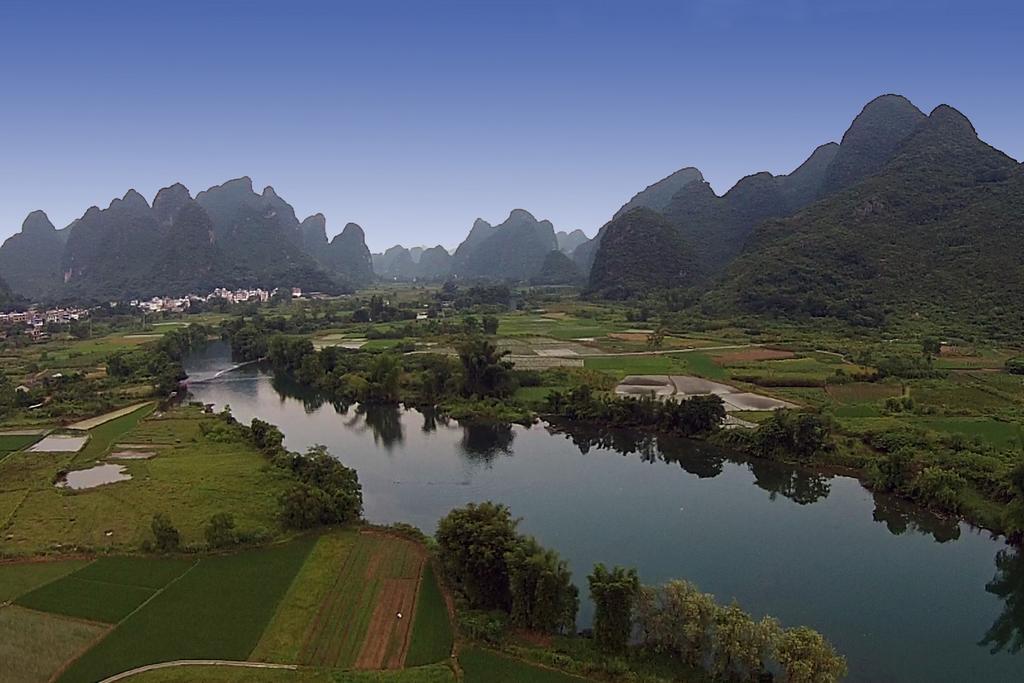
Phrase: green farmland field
[107,590]
[18,579]
[216,610]
[485,666]
[432,629]
[34,646]
[438,673]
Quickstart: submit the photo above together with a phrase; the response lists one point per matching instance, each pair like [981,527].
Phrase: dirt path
[106,417]
[197,662]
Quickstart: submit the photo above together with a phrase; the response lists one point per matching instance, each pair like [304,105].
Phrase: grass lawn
[432,628]
[438,673]
[34,646]
[190,479]
[485,666]
[216,610]
[18,579]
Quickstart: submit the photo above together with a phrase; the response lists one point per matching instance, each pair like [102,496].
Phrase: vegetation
[432,635]
[614,592]
[216,610]
[34,646]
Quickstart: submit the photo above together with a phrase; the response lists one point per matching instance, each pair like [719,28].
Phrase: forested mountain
[640,251]
[717,227]
[557,269]
[568,241]
[227,236]
[416,263]
[348,258]
[937,231]
[513,250]
[30,260]
[434,263]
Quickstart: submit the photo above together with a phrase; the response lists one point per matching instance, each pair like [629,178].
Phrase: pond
[93,477]
[904,594]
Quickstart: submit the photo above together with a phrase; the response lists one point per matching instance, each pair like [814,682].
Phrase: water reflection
[900,516]
[383,421]
[485,442]
[1007,632]
[701,459]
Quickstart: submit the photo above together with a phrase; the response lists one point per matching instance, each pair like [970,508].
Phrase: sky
[414,118]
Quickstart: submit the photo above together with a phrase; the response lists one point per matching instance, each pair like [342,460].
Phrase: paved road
[197,662]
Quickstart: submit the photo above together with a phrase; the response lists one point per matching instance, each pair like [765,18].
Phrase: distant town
[38,319]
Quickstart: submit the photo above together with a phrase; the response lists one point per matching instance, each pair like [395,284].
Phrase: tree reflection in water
[1007,631]
[486,441]
[700,459]
[383,420]
[900,516]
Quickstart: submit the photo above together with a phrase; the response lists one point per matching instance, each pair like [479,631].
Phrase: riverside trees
[492,567]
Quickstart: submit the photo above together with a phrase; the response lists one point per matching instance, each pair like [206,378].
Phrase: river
[904,594]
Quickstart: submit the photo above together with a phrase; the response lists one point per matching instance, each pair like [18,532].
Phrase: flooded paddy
[94,476]
[60,443]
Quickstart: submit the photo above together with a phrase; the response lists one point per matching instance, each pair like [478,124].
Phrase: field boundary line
[197,662]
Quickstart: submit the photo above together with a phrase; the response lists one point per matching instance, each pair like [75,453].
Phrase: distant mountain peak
[269,193]
[37,222]
[131,200]
[169,200]
[521,215]
[657,196]
[480,223]
[353,230]
[951,119]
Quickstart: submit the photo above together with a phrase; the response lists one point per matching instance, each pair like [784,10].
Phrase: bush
[166,535]
[220,531]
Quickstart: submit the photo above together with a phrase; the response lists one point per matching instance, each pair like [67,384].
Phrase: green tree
[386,377]
[543,595]
[220,531]
[165,533]
[742,646]
[677,619]
[490,324]
[302,506]
[484,372]
[806,657]
[930,347]
[614,593]
[473,545]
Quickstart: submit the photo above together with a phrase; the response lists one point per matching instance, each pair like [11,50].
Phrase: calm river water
[906,596]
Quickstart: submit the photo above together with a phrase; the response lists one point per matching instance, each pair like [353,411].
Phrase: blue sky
[414,118]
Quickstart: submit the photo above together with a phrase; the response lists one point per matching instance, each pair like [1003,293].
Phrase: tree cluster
[495,568]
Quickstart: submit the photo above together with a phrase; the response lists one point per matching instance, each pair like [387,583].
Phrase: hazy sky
[414,118]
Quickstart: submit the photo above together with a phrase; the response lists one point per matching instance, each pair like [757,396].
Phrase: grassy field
[216,610]
[18,579]
[15,442]
[107,590]
[219,674]
[191,478]
[34,646]
[485,666]
[102,437]
[432,630]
